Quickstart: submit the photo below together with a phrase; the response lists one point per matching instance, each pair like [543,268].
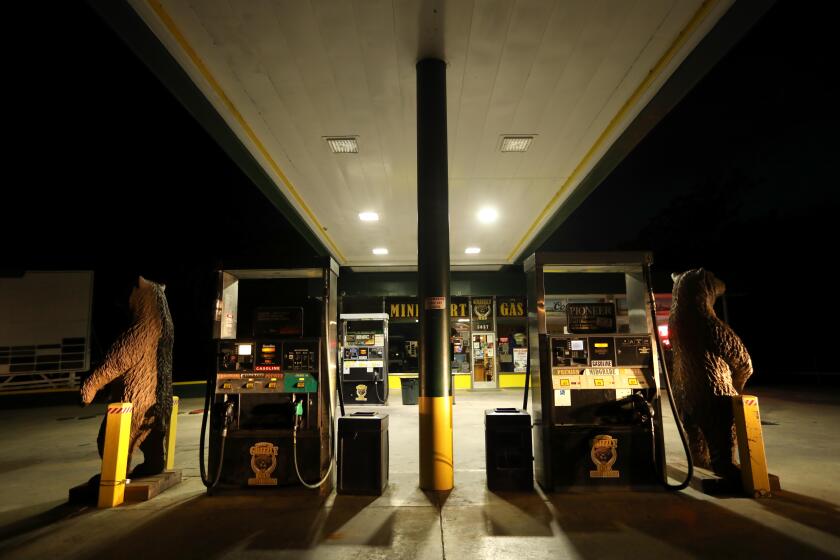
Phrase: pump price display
[268,358]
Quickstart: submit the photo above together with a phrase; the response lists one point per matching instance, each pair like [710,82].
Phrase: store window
[484,359]
[512,332]
[403,335]
[459,330]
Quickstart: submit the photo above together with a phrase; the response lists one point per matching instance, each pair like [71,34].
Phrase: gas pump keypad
[633,350]
[297,359]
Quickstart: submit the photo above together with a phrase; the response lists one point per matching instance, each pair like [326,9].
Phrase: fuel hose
[677,419]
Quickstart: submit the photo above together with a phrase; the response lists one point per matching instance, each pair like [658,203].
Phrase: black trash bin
[362,459]
[410,389]
[508,449]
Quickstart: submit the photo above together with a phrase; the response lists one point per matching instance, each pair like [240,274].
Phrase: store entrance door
[484,360]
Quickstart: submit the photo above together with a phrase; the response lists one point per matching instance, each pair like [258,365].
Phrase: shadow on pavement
[518,514]
[21,527]
[605,524]
[818,514]
[227,525]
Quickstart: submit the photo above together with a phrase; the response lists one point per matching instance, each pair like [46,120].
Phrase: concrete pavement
[47,450]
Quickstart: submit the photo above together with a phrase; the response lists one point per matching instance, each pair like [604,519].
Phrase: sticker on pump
[562,397]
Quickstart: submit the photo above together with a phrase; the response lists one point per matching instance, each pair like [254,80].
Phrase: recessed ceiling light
[369,216]
[472,250]
[343,144]
[516,143]
[487,215]
[380,251]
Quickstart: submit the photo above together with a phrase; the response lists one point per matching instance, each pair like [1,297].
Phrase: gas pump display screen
[269,357]
[601,351]
[569,352]
[633,351]
[363,330]
[278,321]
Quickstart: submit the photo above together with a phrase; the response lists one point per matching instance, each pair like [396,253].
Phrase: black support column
[436,466]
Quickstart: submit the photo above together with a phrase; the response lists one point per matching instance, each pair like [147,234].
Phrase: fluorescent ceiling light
[516,143]
[473,250]
[487,215]
[369,216]
[380,251]
[343,144]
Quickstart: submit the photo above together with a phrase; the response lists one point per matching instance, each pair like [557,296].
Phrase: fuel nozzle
[228,418]
[643,411]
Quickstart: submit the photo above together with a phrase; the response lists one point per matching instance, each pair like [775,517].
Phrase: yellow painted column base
[437,468]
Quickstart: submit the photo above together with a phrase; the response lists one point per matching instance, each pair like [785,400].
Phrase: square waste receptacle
[410,389]
[508,449]
[362,459]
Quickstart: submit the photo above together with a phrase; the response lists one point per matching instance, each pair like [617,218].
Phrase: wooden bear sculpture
[711,365]
[139,368]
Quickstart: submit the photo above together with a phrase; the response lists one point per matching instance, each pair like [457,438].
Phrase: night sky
[738,179]
[109,172]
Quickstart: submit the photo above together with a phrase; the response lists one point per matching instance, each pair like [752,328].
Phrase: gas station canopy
[562,79]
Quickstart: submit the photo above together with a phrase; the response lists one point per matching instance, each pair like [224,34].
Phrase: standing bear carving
[710,366]
[139,368]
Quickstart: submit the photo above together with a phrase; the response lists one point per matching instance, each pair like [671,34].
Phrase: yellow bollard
[751,446]
[170,436]
[115,455]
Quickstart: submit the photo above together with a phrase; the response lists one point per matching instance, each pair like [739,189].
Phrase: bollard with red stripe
[115,455]
[748,431]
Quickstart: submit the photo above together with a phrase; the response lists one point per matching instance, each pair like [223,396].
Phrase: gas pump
[269,402]
[364,358]
[596,372]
